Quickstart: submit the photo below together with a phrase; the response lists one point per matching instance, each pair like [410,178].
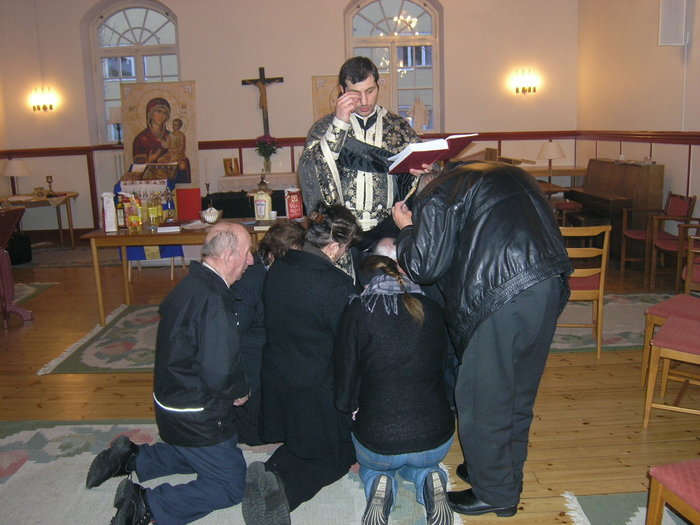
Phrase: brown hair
[282,235]
[376,264]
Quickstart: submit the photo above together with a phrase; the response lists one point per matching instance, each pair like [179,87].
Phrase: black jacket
[197,368]
[485,232]
[392,369]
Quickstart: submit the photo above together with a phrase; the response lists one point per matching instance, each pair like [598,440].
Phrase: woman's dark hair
[282,235]
[376,264]
[332,223]
[357,69]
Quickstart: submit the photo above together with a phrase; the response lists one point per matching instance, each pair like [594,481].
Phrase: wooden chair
[691,271]
[678,485]
[678,340]
[9,219]
[681,305]
[588,280]
[678,208]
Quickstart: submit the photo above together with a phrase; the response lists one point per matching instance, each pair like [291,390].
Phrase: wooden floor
[586,436]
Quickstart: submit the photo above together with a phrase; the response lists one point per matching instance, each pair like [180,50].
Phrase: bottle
[121,218]
[263,206]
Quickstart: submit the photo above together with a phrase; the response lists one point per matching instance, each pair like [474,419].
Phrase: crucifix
[261,83]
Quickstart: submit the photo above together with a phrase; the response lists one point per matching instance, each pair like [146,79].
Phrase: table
[121,239]
[61,199]
[557,171]
[276,181]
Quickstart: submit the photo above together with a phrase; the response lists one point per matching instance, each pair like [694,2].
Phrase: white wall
[626,80]
[598,59]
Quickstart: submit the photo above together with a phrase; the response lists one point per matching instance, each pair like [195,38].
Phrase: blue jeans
[414,467]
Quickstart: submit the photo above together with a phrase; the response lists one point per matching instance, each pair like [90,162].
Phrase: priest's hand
[402,215]
[427,168]
[346,105]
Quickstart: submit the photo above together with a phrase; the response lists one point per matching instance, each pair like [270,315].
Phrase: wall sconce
[524,81]
[42,99]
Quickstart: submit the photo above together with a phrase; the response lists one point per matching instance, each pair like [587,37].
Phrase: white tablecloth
[276,181]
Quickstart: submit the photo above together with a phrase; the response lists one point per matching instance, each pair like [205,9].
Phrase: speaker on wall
[672,30]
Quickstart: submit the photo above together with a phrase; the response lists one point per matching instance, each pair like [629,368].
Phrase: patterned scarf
[388,289]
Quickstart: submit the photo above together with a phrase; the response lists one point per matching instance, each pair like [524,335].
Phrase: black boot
[131,504]
[118,460]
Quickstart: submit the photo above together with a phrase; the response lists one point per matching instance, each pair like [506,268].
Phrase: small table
[60,199]
[122,239]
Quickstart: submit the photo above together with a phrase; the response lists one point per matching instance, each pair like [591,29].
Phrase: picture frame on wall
[160,127]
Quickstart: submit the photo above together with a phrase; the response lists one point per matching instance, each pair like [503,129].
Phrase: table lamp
[115,118]
[550,150]
[15,168]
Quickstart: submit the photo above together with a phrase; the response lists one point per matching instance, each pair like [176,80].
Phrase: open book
[415,155]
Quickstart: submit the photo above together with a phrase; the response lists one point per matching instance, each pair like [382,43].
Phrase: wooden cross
[261,84]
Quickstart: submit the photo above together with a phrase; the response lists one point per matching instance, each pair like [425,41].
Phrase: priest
[345,158]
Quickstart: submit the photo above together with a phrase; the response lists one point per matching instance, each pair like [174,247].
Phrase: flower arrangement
[266,146]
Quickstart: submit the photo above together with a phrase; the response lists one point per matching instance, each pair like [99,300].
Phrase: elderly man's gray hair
[220,242]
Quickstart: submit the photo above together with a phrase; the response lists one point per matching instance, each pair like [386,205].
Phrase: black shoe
[117,460]
[466,502]
[131,504]
[253,505]
[463,472]
[379,504]
[275,498]
[437,508]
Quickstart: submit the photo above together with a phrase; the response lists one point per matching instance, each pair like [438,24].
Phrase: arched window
[130,42]
[402,39]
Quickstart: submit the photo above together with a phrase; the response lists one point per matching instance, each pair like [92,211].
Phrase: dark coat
[197,372]
[251,332]
[484,233]
[304,295]
[391,369]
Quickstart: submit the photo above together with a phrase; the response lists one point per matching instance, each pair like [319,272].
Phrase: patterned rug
[50,256]
[26,291]
[617,509]
[127,342]
[43,467]
[623,323]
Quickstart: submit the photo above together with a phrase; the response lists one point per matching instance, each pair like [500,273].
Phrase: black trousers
[496,387]
[302,478]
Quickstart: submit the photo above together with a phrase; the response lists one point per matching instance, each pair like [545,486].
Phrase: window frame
[95,18]
[393,42]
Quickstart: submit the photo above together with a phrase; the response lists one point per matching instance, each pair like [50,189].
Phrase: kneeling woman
[390,356]
[304,295]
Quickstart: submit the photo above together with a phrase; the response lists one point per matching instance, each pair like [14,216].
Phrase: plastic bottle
[263,206]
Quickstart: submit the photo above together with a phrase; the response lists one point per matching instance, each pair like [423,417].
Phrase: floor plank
[586,436]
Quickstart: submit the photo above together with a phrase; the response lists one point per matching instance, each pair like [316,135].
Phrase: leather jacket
[484,232]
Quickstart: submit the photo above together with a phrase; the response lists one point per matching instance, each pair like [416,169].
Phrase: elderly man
[486,234]
[197,382]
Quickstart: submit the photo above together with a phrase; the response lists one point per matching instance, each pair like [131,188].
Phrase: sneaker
[379,504]
[131,504]
[275,498]
[437,507]
[117,460]
[253,505]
